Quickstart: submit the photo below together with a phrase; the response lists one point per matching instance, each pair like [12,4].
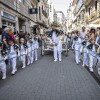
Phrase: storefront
[8,20]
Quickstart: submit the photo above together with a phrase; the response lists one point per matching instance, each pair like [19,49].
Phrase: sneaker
[60,60]
[55,60]
[23,67]
[4,77]
[13,72]
[91,69]
[83,65]
[35,59]
[16,70]
[28,64]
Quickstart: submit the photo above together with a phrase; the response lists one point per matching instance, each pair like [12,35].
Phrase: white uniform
[85,55]
[77,46]
[12,55]
[35,47]
[92,57]
[29,52]
[59,46]
[3,65]
[55,41]
[23,53]
[82,35]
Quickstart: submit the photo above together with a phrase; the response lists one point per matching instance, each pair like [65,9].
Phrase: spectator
[22,34]
[5,35]
[1,30]
[11,34]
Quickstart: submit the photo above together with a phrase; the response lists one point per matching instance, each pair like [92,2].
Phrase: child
[23,51]
[12,55]
[29,50]
[85,43]
[92,47]
[77,46]
[36,46]
[3,57]
[61,41]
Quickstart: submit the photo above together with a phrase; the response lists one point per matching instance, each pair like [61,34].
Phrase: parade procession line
[49,80]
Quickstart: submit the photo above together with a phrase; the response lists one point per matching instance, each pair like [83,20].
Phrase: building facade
[22,14]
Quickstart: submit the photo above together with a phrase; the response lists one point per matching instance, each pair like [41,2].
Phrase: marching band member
[29,50]
[54,35]
[77,46]
[85,43]
[61,41]
[12,55]
[92,47]
[23,51]
[3,57]
[36,46]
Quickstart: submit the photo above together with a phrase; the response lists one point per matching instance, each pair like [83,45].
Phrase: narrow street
[47,80]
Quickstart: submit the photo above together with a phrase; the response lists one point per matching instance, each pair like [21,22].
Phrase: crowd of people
[87,43]
[13,47]
[23,47]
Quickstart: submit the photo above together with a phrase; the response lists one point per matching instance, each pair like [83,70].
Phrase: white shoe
[35,59]
[16,70]
[31,61]
[4,77]
[87,65]
[55,60]
[91,69]
[83,65]
[28,63]
[60,60]
[23,67]
[13,72]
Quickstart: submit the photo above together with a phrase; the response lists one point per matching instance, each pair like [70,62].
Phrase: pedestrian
[12,55]
[92,48]
[29,50]
[3,57]
[54,35]
[84,50]
[36,46]
[61,41]
[77,46]
[23,51]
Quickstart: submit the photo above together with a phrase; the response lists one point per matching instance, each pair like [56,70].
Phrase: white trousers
[91,59]
[13,64]
[85,59]
[3,68]
[35,54]
[23,59]
[77,56]
[29,58]
[57,53]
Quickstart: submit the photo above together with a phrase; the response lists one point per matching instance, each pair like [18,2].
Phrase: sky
[61,5]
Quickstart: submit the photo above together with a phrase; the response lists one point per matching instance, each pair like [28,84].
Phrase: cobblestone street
[47,80]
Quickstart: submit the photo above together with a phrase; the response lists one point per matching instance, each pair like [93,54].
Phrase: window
[89,11]
[39,13]
[96,5]
[22,1]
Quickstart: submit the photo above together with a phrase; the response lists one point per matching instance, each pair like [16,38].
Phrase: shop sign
[8,16]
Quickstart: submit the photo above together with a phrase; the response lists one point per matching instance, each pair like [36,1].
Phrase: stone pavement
[47,80]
